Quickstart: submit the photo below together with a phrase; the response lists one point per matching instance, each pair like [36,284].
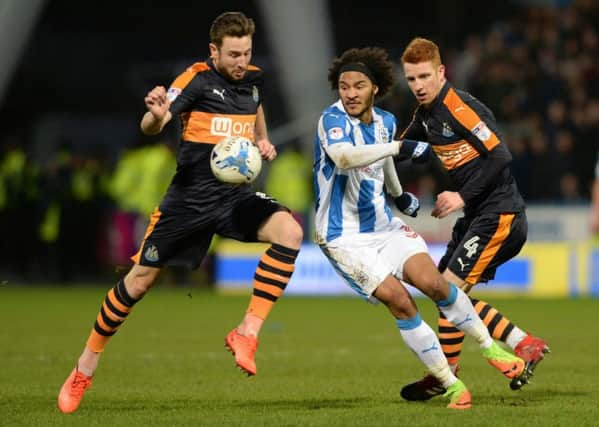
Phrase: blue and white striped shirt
[352,200]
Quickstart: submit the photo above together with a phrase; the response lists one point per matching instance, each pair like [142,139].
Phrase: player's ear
[375,89]
[213,51]
[441,70]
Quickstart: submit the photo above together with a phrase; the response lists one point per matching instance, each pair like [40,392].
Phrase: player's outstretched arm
[348,156]
[158,114]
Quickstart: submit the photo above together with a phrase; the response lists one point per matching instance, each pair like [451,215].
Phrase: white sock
[85,371]
[423,341]
[514,338]
[458,309]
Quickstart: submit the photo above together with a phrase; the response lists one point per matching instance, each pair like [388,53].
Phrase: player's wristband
[407,203]
[418,151]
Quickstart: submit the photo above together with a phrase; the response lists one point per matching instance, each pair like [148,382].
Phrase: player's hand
[267,150]
[447,202]
[408,204]
[418,151]
[157,103]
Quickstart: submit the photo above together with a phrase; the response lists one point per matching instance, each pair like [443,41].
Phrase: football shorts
[364,260]
[481,244]
[183,240]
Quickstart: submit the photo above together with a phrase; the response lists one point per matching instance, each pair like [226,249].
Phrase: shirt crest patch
[151,253]
[447,131]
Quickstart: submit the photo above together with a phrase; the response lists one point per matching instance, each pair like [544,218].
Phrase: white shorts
[364,260]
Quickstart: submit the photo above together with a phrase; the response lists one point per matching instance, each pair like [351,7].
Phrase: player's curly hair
[375,59]
[232,24]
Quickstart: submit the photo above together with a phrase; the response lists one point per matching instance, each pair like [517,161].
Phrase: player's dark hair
[232,24]
[375,59]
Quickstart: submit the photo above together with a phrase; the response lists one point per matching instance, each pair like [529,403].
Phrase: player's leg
[117,305]
[420,271]
[408,253]
[114,311]
[476,249]
[275,267]
[500,238]
[357,259]
[451,339]
[529,348]
[158,247]
[421,339]
[259,218]
[499,326]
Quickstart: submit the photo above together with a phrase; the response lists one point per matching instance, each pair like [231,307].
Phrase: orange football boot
[243,348]
[72,391]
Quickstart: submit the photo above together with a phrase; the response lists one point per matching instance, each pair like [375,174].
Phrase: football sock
[272,275]
[421,339]
[117,305]
[514,338]
[451,339]
[458,310]
[499,326]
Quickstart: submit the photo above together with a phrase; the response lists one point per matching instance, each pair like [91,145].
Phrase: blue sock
[451,298]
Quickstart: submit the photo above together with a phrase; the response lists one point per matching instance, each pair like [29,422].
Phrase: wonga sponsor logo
[221,126]
[226,126]
[211,127]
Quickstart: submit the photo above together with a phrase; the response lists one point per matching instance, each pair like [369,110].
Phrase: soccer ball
[235,160]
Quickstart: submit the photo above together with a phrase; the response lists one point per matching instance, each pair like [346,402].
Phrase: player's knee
[395,296]
[435,287]
[139,281]
[292,234]
[401,306]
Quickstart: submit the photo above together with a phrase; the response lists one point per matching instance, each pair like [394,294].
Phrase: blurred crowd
[72,213]
[74,216]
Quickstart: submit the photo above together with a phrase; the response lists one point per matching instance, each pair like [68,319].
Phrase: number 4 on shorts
[471,246]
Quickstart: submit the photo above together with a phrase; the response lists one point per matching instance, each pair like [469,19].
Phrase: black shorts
[481,244]
[183,240]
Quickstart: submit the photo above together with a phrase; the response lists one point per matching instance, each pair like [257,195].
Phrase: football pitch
[321,362]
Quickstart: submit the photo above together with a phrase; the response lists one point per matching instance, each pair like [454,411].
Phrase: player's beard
[237,74]
[229,75]
[369,104]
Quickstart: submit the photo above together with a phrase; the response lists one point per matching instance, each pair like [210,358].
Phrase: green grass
[321,362]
